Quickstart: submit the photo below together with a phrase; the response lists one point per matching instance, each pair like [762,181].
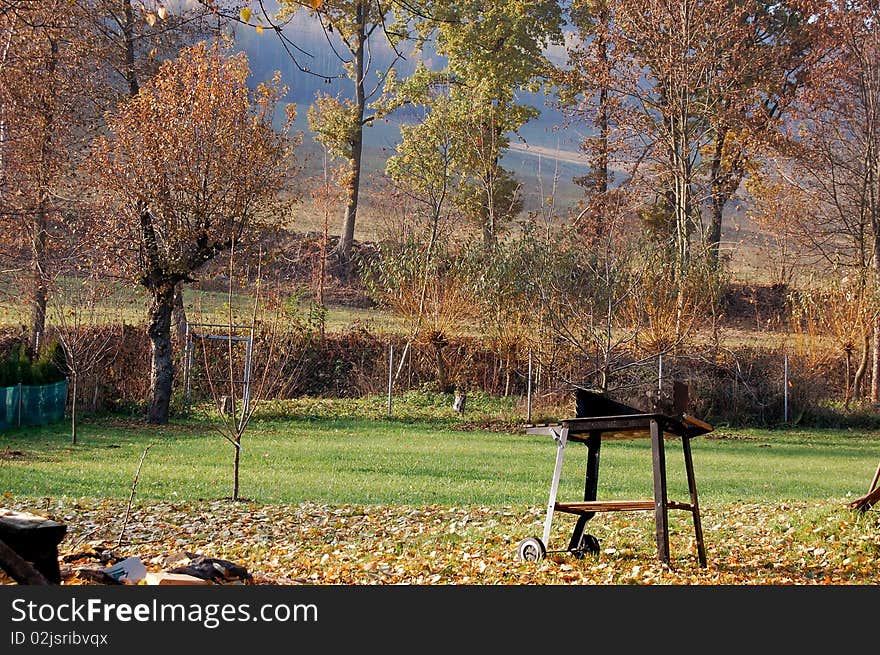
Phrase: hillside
[544,156]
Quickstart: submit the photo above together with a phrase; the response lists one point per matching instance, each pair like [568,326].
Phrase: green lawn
[313,455]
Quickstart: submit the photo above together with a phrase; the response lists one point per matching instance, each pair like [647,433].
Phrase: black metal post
[591,487]
[692,488]
[660,509]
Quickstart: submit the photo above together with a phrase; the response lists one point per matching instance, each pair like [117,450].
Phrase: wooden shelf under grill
[589,506]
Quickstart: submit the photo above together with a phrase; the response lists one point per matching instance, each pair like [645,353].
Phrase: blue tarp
[32,405]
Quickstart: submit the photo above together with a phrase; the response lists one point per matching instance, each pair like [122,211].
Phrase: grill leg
[561,440]
[591,486]
[660,508]
[692,487]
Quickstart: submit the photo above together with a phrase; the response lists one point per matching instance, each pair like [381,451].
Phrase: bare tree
[245,364]
[88,330]
[831,159]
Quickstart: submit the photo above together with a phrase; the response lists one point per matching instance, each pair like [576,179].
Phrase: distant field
[128,304]
[749,259]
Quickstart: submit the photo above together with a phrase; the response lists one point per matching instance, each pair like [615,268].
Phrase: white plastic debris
[129,571]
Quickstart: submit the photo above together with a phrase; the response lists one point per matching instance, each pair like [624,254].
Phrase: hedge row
[740,386]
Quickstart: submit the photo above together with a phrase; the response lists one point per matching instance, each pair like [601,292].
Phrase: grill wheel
[530,549]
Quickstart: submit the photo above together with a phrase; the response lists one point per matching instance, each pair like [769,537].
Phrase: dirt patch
[12,455]
[756,307]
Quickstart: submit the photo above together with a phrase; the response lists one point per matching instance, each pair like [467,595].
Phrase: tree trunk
[235,468]
[346,237]
[179,315]
[443,385]
[713,233]
[859,376]
[73,408]
[39,235]
[602,175]
[38,270]
[682,247]
[603,123]
[489,238]
[490,218]
[717,199]
[162,365]
[875,363]
[875,337]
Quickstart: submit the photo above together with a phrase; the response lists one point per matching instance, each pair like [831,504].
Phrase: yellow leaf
[245,14]
[162,12]
[316,4]
[259,29]
[151,19]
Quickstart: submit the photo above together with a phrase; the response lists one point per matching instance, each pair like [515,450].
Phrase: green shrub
[20,368]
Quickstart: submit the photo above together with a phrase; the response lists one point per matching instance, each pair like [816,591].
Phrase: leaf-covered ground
[789,544]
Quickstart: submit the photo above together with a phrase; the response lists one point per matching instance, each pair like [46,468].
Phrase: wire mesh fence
[24,405]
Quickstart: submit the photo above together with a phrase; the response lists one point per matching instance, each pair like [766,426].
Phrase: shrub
[20,368]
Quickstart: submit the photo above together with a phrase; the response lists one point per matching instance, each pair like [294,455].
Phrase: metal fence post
[390,374]
[187,366]
[529,391]
[785,390]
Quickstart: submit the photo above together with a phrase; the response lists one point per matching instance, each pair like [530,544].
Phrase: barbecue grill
[598,417]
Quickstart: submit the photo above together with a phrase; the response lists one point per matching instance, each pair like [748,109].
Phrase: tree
[245,364]
[191,165]
[740,89]
[613,308]
[773,61]
[45,104]
[132,38]
[670,64]
[841,311]
[339,123]
[50,109]
[585,94]
[326,196]
[433,170]
[781,216]
[493,51]
[656,77]
[412,275]
[423,272]
[831,158]
[494,48]
[506,293]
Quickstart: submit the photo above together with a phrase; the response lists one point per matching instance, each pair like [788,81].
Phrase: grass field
[337,493]
[320,455]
